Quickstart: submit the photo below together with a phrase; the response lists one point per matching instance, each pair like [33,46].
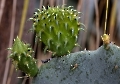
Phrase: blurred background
[14,15]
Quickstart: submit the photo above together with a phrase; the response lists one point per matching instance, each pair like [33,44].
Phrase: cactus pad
[57,27]
[22,59]
[86,67]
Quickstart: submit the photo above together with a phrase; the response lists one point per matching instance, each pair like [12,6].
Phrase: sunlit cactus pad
[21,55]
[86,67]
[58,28]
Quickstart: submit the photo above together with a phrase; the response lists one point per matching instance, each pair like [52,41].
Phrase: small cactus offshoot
[58,28]
[21,55]
[106,38]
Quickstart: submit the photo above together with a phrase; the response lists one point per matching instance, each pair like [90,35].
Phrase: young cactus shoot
[21,55]
[58,28]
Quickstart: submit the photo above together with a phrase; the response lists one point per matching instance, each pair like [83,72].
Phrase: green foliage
[101,66]
[58,28]
[21,55]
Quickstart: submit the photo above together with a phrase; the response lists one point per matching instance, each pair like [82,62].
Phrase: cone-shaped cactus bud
[57,28]
[106,38]
[22,59]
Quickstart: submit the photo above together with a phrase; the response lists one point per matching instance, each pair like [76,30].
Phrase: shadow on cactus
[58,28]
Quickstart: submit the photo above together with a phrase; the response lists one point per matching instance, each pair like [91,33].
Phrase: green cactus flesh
[57,27]
[86,67]
[22,59]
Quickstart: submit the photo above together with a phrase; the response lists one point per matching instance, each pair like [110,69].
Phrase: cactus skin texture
[86,67]
[22,59]
[58,28]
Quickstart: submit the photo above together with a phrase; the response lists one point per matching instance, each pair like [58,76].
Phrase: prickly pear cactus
[57,27]
[101,66]
[21,55]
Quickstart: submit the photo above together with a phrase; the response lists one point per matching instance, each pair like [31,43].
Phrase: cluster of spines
[21,55]
[57,27]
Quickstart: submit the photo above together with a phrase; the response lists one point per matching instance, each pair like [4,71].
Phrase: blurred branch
[10,41]
[106,13]
[51,2]
[79,5]
[63,2]
[24,12]
[101,13]
[86,12]
[112,19]
[97,24]
[10,74]
[20,30]
[41,3]
[1,9]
